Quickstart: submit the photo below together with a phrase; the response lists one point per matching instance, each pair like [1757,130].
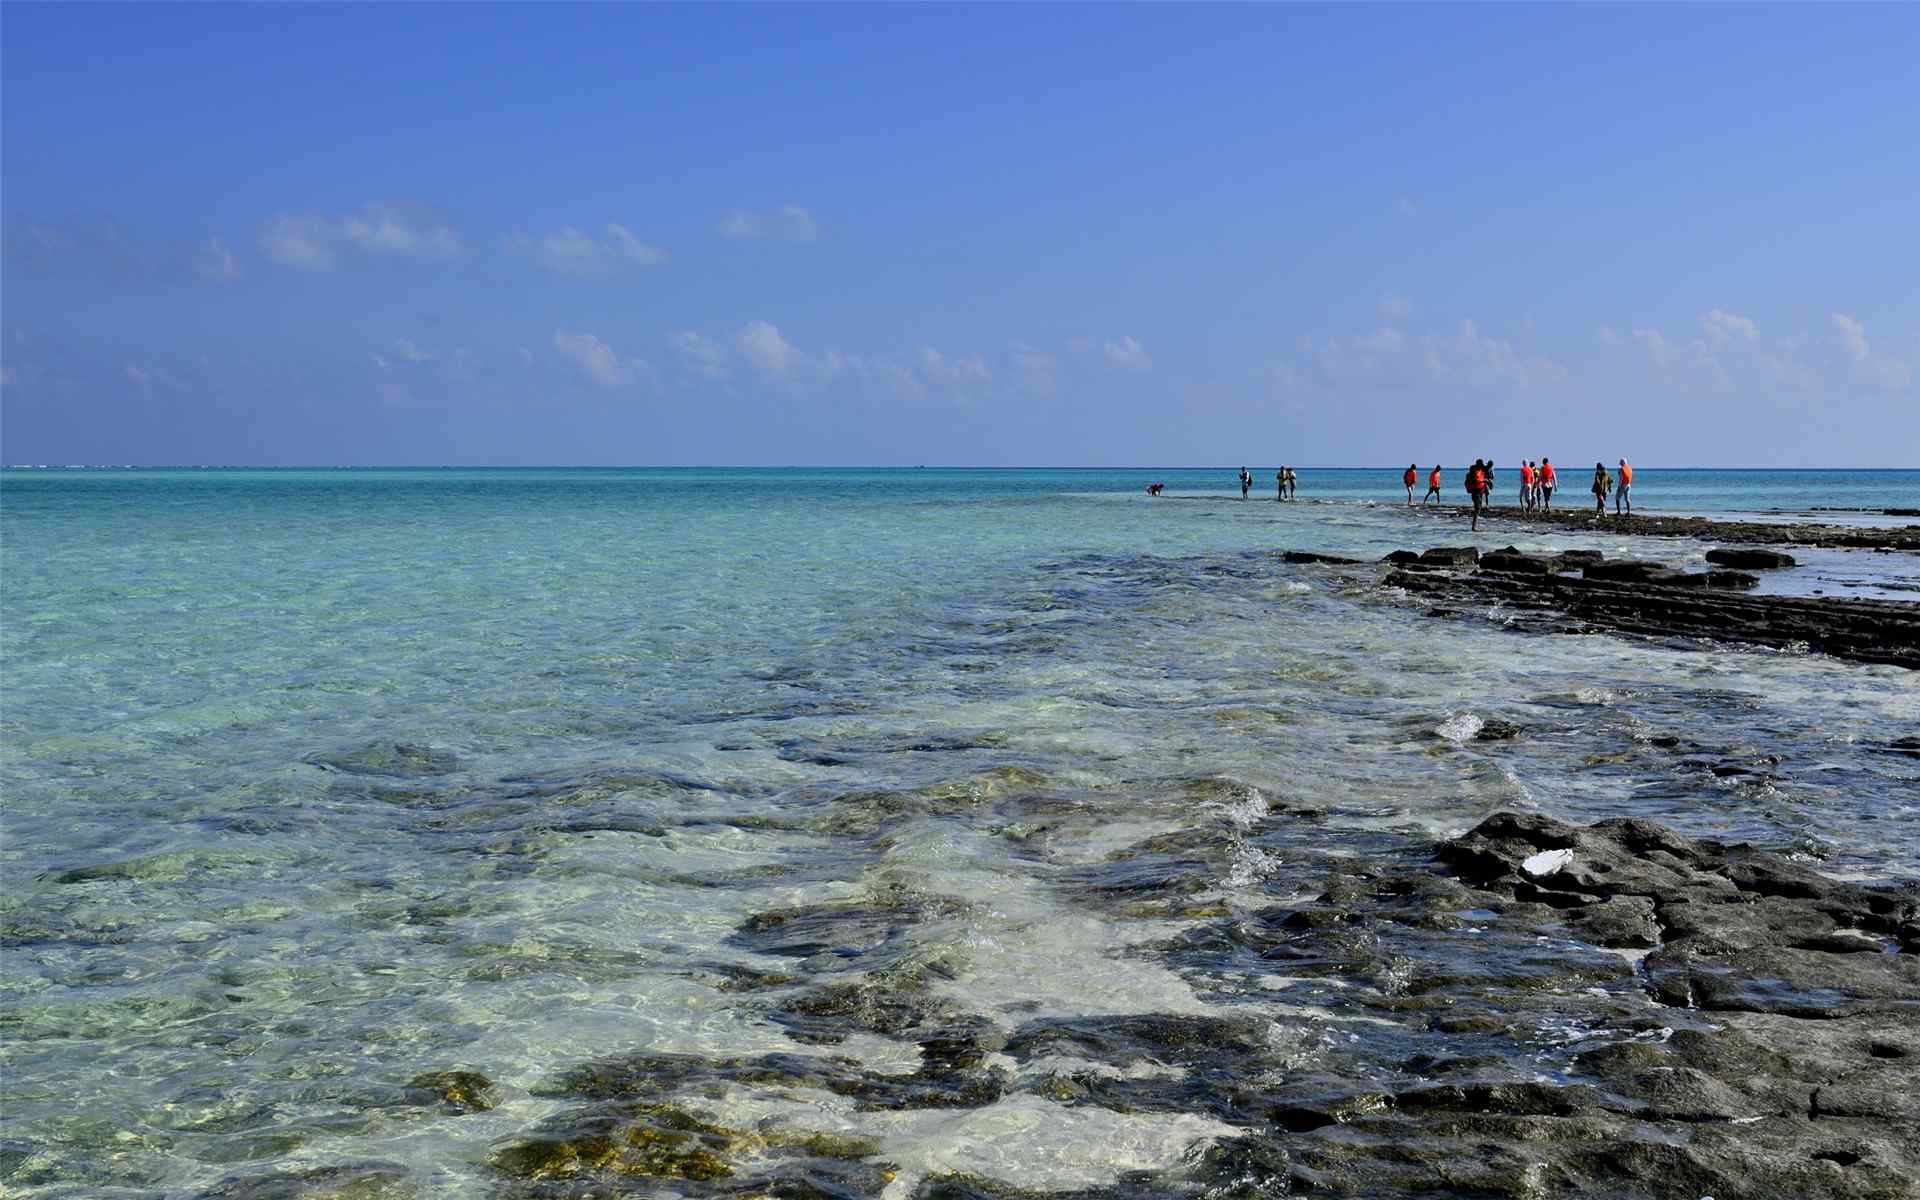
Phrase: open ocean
[322,783]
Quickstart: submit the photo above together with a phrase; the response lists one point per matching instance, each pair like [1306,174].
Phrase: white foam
[1459,727]
[1035,1143]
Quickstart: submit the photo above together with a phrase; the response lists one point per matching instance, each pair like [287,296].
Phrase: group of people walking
[1537,484]
[1285,483]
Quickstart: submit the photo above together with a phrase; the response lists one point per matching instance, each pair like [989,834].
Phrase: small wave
[1249,811]
[1250,865]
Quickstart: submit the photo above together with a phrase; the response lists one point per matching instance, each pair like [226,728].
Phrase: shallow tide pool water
[320,785]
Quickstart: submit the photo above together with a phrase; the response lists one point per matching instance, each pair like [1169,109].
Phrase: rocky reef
[1710,529]
[1582,591]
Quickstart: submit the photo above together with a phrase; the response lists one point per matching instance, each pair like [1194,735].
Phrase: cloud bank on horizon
[960,235]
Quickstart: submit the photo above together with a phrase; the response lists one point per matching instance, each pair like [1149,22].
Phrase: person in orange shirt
[1412,475]
[1620,495]
[1546,483]
[1526,484]
[1433,487]
[1477,489]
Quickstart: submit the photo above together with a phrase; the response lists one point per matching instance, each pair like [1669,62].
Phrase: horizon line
[796,467]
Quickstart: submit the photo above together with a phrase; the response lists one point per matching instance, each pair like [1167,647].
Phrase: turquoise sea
[319,784]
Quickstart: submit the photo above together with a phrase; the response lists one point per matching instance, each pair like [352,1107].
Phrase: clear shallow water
[315,781]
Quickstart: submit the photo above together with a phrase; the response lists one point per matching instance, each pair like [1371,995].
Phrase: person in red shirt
[1546,483]
[1526,484]
[1412,475]
[1433,487]
[1477,489]
[1620,495]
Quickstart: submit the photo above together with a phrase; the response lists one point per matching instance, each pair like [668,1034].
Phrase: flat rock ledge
[1579,591]
[1707,529]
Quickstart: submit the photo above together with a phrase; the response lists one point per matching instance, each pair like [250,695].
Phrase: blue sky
[992,235]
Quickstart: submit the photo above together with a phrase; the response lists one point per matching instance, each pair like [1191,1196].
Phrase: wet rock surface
[1652,599]
[1534,1009]
[1905,537]
[1751,560]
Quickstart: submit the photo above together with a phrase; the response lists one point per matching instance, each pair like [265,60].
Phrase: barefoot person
[1477,489]
[1293,483]
[1546,483]
[1526,484]
[1620,494]
[1246,482]
[1280,484]
[1433,487]
[1602,484]
[1410,478]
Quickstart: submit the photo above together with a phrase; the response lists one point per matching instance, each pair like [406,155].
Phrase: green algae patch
[663,1143]
[468,1091]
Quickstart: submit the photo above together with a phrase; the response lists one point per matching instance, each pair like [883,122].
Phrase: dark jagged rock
[1401,557]
[1626,570]
[1454,556]
[1751,560]
[1515,563]
[1309,556]
[1629,596]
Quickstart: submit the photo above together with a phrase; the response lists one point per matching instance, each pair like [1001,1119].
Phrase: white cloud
[955,372]
[1394,305]
[789,222]
[1381,342]
[1877,369]
[590,356]
[1853,336]
[761,344]
[379,229]
[216,263]
[1487,361]
[411,352]
[1656,344]
[1030,359]
[1723,327]
[1128,354]
[316,242]
[702,354]
[570,251]
[148,378]
[303,242]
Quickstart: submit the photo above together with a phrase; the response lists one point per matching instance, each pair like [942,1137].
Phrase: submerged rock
[467,1091]
[654,1140]
[399,760]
